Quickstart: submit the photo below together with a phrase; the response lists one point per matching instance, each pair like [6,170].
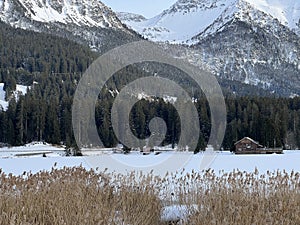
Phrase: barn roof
[250,139]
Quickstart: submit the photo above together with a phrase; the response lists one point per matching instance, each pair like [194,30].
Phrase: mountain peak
[188,18]
[79,12]
[87,22]
[255,42]
[285,11]
[130,17]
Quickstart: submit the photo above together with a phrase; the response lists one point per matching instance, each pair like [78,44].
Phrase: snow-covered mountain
[255,42]
[130,17]
[88,21]
[188,18]
[82,12]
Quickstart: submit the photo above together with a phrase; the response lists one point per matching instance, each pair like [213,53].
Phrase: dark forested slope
[52,66]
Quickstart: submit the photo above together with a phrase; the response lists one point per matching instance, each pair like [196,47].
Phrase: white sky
[144,7]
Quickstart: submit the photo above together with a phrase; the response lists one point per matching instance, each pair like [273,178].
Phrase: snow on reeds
[77,196]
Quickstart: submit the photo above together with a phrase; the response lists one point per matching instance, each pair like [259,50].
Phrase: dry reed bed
[77,196]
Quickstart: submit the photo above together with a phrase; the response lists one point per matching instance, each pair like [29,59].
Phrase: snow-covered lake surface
[29,158]
[16,160]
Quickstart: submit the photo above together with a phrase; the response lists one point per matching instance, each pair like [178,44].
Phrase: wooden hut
[248,146]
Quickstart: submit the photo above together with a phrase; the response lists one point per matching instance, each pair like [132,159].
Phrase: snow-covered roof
[250,139]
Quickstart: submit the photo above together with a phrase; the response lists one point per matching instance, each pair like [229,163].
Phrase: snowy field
[27,158]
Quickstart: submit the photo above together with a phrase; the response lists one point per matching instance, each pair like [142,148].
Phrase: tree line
[53,66]
[45,114]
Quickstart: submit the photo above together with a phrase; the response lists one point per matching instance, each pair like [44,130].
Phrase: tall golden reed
[76,196]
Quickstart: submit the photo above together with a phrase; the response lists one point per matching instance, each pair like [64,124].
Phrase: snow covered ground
[35,149]
[16,160]
[20,89]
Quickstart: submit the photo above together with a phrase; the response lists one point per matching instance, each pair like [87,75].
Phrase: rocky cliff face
[265,56]
[130,17]
[89,22]
[253,42]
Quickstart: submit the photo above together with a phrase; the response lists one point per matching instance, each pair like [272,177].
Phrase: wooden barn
[248,146]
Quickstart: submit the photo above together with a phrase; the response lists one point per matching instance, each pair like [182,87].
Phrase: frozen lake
[162,163]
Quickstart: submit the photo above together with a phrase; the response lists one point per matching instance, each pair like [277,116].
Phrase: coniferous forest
[53,66]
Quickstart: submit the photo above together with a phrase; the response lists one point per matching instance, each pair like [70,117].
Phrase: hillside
[88,22]
[252,42]
[52,66]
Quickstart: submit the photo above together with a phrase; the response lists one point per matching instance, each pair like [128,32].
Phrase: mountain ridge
[81,12]
[87,22]
[125,16]
[238,40]
[185,19]
[239,43]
